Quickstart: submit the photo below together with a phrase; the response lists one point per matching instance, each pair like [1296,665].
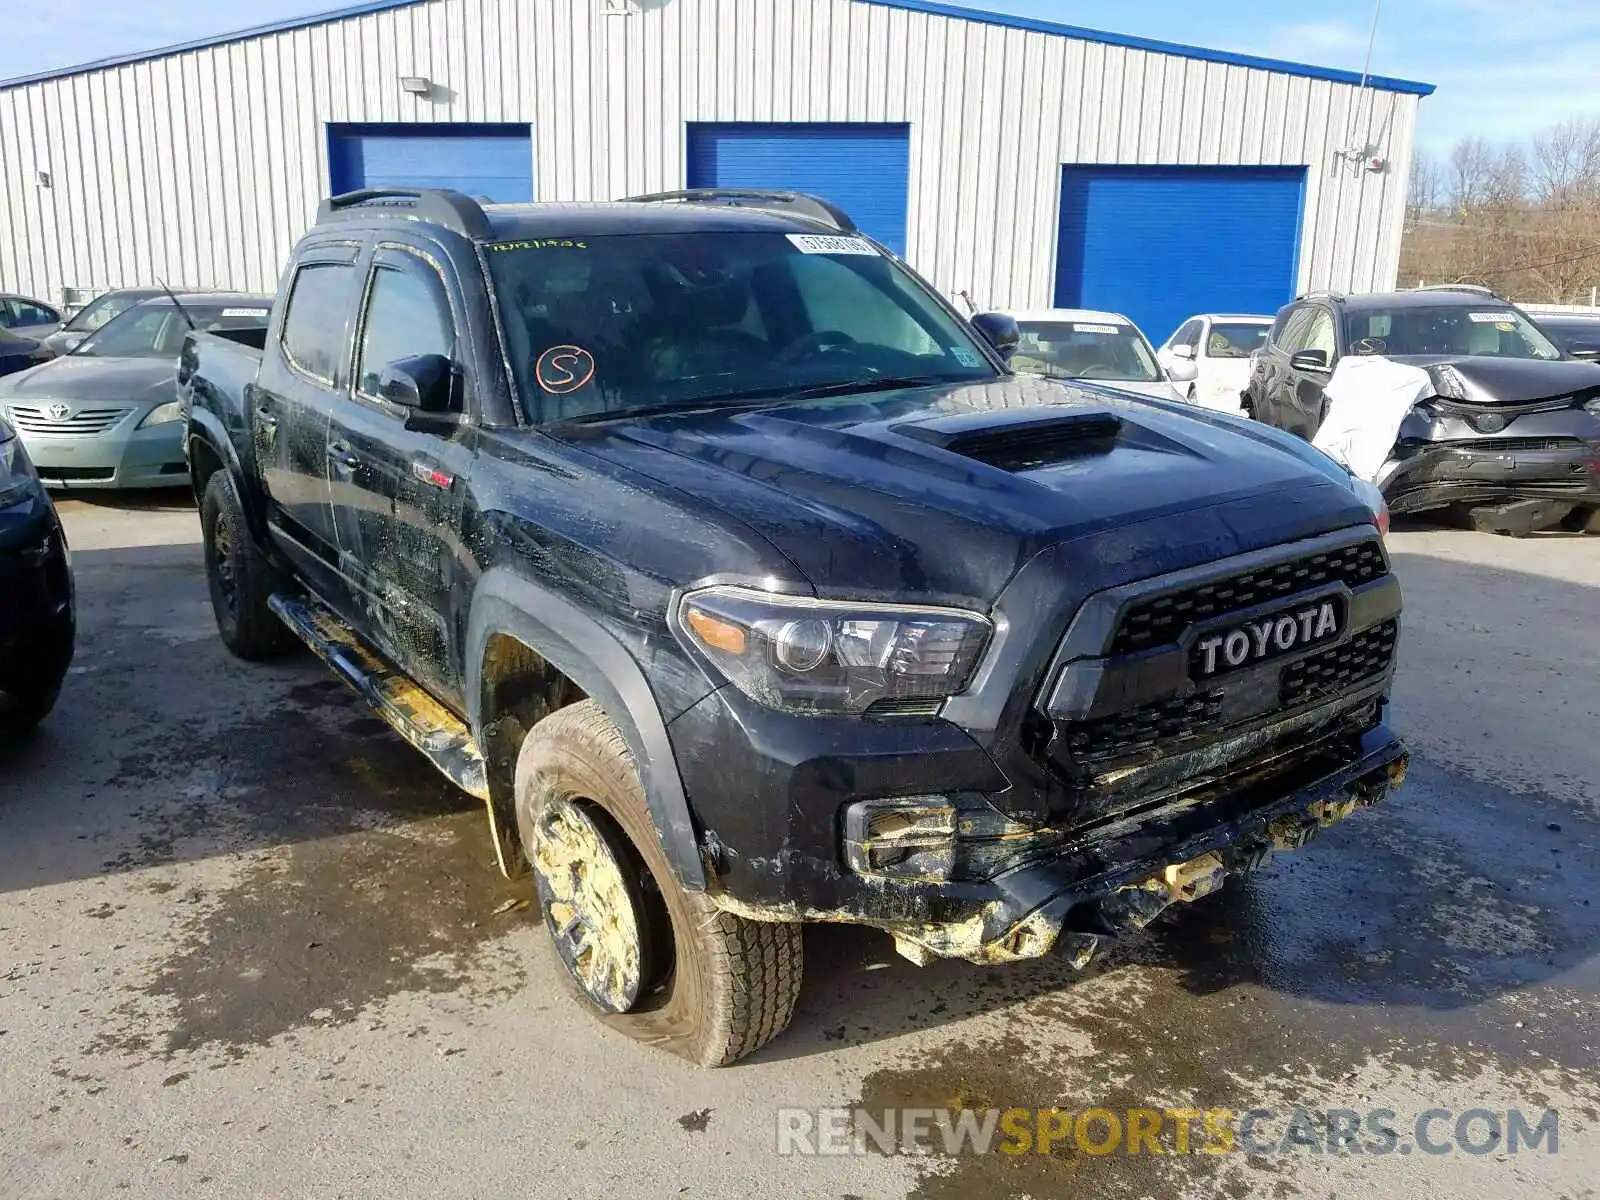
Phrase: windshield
[1465,329]
[605,326]
[97,312]
[1236,339]
[1085,350]
[157,329]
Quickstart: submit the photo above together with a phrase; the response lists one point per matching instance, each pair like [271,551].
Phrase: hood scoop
[1032,439]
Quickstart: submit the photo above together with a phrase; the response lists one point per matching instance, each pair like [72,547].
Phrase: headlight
[828,656]
[16,472]
[1593,406]
[1373,499]
[163,414]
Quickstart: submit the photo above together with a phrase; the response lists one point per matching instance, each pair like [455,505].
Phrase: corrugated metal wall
[203,167]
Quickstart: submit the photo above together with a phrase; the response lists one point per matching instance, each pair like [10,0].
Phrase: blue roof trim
[221,39]
[931,7]
[1033,24]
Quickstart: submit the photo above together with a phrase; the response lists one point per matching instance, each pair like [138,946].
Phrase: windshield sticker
[563,369]
[1490,318]
[541,244]
[1112,330]
[244,312]
[964,356]
[817,243]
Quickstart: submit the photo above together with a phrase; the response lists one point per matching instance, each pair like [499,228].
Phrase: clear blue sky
[1504,67]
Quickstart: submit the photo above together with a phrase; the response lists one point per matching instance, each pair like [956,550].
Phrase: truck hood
[943,493]
[77,378]
[1485,380]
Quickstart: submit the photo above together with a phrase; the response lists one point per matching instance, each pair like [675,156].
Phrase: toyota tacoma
[745,584]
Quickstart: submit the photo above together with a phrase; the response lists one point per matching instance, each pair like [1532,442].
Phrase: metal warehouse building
[1021,162]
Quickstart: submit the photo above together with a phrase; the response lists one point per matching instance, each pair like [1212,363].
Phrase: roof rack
[801,204]
[456,212]
[1321,294]
[1475,289]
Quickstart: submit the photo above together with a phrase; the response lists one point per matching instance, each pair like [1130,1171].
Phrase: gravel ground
[251,946]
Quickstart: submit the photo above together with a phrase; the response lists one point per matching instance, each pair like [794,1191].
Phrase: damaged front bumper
[1427,475]
[1096,885]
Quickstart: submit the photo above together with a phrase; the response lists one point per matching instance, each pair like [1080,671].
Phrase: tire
[240,579]
[24,712]
[1247,405]
[713,987]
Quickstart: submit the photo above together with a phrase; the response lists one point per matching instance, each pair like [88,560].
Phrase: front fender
[578,646]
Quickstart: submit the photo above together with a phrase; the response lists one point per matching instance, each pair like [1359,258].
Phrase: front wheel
[661,964]
[21,712]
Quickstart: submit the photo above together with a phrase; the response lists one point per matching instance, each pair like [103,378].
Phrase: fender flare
[205,426]
[578,646]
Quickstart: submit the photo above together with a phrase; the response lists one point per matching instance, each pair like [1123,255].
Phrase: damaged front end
[1071,890]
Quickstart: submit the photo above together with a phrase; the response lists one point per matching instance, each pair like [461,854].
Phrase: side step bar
[415,715]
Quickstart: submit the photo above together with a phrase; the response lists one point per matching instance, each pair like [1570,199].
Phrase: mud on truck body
[746,585]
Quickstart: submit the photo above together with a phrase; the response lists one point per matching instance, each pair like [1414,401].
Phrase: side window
[837,298]
[8,316]
[1292,337]
[1320,334]
[407,314]
[314,324]
[1188,335]
[37,314]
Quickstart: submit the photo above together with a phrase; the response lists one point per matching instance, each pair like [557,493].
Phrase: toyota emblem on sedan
[59,412]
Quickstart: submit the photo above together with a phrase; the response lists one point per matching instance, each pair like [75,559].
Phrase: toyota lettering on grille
[1256,641]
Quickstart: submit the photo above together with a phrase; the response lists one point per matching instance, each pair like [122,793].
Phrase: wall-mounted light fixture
[417,85]
[44,180]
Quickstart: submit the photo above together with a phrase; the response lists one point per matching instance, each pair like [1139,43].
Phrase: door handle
[343,455]
[266,416]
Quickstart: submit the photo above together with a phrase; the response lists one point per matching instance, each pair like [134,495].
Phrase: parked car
[1099,347]
[106,415]
[96,313]
[1576,333]
[1220,346]
[28,318]
[1510,430]
[733,570]
[20,353]
[37,617]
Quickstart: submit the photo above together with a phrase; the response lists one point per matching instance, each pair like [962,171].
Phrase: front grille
[1512,445]
[78,474]
[1162,620]
[1329,672]
[1143,728]
[32,418]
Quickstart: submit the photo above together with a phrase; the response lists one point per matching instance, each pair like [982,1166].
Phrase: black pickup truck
[746,585]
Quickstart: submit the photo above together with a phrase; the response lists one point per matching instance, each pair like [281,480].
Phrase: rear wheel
[240,579]
[663,965]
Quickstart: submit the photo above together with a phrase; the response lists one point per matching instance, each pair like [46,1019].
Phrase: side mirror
[1000,331]
[1315,361]
[1183,371]
[423,383]
[1588,351]
[1182,350]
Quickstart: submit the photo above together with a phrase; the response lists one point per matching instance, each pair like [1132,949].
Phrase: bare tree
[1469,170]
[1566,162]
[1424,187]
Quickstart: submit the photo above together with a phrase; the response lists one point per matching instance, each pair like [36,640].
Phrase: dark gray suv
[1514,421]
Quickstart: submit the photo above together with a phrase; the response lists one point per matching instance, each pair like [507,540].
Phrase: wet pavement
[251,945]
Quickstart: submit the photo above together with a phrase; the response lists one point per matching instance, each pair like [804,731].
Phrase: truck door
[396,499]
[304,369]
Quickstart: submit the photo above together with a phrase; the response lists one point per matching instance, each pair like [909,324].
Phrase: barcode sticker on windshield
[818,243]
[1111,329]
[1490,318]
[244,312]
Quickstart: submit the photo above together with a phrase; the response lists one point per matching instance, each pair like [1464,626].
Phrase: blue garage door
[493,161]
[864,169]
[1163,243]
